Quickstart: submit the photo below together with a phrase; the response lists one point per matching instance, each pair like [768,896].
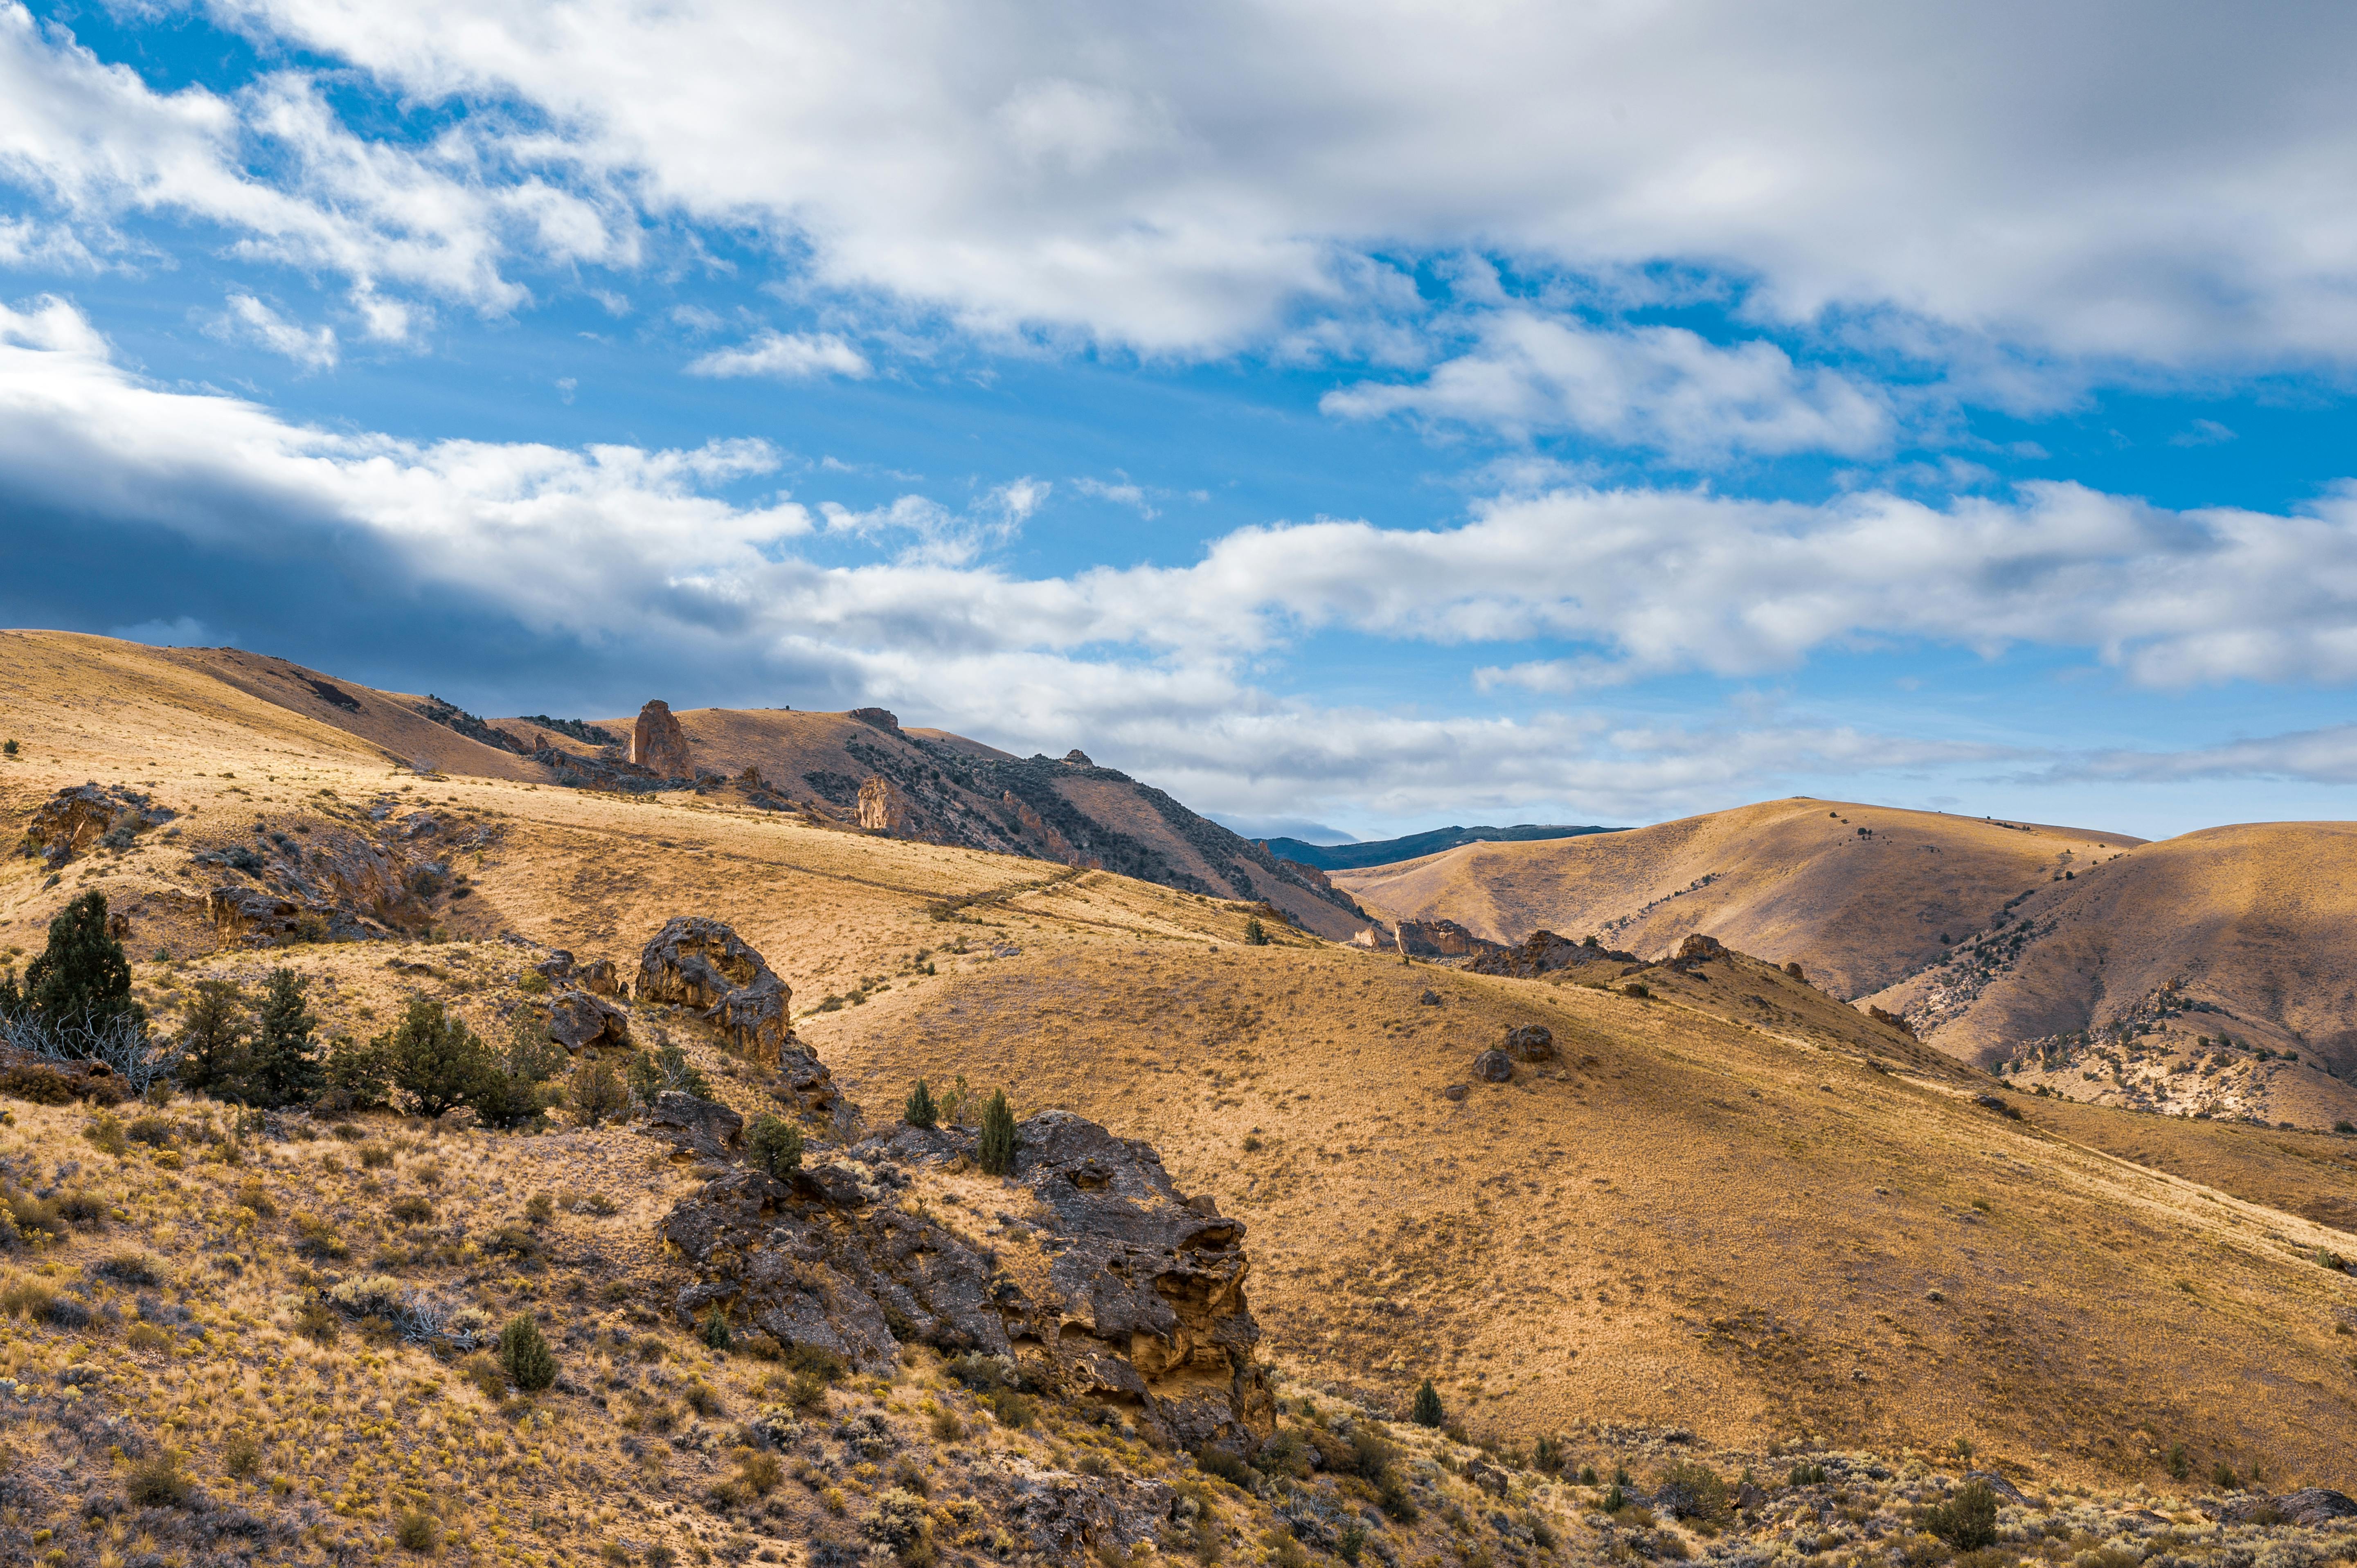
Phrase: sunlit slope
[1729,1212]
[2255,924]
[1789,880]
[1734,1228]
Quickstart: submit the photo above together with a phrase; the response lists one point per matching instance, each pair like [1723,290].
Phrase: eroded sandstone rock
[1112,1287]
[1543,953]
[882,808]
[1441,938]
[659,745]
[701,964]
[75,818]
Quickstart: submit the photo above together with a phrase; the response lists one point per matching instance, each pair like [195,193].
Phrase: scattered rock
[1493,1066]
[580,1021]
[698,1126]
[1429,999]
[1793,969]
[557,965]
[1531,1042]
[1882,1015]
[1453,1092]
[1998,1104]
[699,963]
[598,977]
[1302,872]
[659,745]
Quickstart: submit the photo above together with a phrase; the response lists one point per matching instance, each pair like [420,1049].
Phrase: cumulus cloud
[646,552]
[1660,387]
[1995,177]
[786,356]
[247,320]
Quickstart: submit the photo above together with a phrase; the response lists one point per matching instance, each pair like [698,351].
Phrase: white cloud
[2327,756]
[2005,178]
[787,356]
[1662,387]
[181,631]
[1154,666]
[248,320]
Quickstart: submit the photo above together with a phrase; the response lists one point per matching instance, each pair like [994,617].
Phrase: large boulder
[598,977]
[659,745]
[579,1021]
[1531,1042]
[252,916]
[698,962]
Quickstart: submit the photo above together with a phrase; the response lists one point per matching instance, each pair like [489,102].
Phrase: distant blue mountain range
[1384,852]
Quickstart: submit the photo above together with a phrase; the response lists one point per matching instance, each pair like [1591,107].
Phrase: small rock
[1453,1092]
[1493,1066]
[1429,999]
[1531,1042]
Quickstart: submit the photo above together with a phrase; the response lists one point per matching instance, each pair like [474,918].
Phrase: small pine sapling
[1426,1411]
[524,1355]
[920,1110]
[995,1150]
[774,1144]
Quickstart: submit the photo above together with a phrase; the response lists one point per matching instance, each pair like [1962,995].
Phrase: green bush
[716,1329]
[1967,1521]
[524,1355]
[774,1144]
[417,1531]
[437,1060]
[284,1067]
[995,1152]
[665,1068]
[158,1483]
[213,1040]
[1691,1490]
[920,1111]
[1426,1411]
[1226,1466]
[1255,934]
[594,1093]
[81,976]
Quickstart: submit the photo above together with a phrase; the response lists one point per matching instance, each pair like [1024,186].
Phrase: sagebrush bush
[524,1355]
[1967,1521]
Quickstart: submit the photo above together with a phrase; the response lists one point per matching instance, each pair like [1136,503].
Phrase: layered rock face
[1441,939]
[882,808]
[659,745]
[701,964]
[1108,1285]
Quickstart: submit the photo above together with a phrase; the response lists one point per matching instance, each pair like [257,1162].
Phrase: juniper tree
[283,1066]
[594,1092]
[436,1060]
[920,1111]
[716,1329]
[1426,1411]
[213,1040]
[995,1150]
[81,977]
[774,1144]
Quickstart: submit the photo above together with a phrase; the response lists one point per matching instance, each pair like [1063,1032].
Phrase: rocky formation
[1441,939]
[883,809]
[580,1021]
[1699,948]
[659,745]
[250,915]
[74,819]
[1543,953]
[881,718]
[1883,1016]
[1076,758]
[1532,1043]
[1105,1285]
[700,964]
[1309,874]
[697,1127]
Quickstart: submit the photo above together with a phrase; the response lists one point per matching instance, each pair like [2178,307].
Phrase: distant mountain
[1390,851]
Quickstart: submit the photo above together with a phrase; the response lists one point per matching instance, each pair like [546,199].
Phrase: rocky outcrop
[580,1021]
[250,915]
[1441,939]
[1309,874]
[73,819]
[1699,948]
[1882,1015]
[1076,758]
[698,962]
[881,718]
[1543,953]
[1107,1285]
[883,809]
[659,745]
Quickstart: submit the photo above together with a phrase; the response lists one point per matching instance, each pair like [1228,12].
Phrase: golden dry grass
[1721,1214]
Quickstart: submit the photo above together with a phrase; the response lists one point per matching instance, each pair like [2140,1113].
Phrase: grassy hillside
[1414,846]
[1735,1204]
[1859,895]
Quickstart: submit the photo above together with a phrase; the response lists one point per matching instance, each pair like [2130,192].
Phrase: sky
[1351,418]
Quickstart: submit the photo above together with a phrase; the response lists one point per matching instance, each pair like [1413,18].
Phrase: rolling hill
[927,784]
[1387,852]
[1733,1206]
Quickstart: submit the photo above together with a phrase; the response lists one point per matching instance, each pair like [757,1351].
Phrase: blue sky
[1365,417]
